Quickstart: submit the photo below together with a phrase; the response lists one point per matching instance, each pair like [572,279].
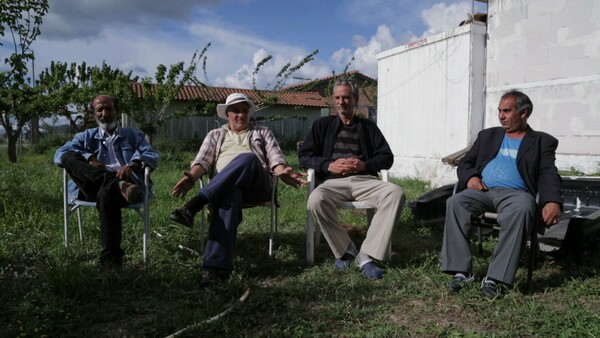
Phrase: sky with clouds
[138,35]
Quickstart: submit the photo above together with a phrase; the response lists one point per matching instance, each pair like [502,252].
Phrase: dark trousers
[100,186]
[242,181]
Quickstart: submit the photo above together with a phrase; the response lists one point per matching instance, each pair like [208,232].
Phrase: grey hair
[523,101]
[344,81]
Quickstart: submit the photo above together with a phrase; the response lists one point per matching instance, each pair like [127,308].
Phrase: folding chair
[273,204]
[142,209]
[313,233]
[488,220]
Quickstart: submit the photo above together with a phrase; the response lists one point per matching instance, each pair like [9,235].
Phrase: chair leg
[273,230]
[310,239]
[202,228]
[480,240]
[66,214]
[533,249]
[146,218]
[80,224]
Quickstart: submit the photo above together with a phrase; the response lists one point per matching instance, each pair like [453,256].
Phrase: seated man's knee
[71,156]
[315,199]
[397,192]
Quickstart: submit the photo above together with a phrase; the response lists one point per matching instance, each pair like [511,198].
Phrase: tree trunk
[35,129]
[13,138]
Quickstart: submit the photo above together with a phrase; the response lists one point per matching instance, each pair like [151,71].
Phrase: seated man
[347,152]
[503,172]
[241,160]
[106,165]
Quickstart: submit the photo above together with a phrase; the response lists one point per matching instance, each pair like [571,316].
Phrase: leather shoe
[183,216]
[211,276]
[131,192]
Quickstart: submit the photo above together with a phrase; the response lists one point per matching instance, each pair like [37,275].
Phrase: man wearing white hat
[240,160]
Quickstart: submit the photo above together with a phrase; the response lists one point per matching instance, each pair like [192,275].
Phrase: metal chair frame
[272,204]
[142,209]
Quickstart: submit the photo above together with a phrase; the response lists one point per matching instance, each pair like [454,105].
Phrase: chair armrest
[310,178]
[385,175]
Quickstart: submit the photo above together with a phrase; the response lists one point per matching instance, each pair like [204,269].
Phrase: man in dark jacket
[503,172]
[346,153]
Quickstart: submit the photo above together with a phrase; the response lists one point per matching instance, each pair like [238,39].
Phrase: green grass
[45,294]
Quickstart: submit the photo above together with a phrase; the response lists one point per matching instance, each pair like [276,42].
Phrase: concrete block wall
[550,49]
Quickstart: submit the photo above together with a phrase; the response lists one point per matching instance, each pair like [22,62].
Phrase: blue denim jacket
[129,145]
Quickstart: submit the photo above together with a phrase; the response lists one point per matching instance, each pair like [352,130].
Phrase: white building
[435,94]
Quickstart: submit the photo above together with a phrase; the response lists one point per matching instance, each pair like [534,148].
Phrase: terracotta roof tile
[219,95]
[352,73]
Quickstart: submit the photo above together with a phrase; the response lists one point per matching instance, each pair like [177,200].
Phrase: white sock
[363,259]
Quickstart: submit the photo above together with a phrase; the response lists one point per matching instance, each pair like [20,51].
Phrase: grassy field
[43,293]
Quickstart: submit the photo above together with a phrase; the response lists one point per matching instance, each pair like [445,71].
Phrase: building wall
[431,100]
[550,49]
[288,128]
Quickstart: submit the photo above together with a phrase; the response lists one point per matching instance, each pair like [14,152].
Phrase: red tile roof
[219,95]
[350,74]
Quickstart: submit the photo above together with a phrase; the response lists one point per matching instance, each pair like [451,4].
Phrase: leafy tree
[269,97]
[72,88]
[150,111]
[19,100]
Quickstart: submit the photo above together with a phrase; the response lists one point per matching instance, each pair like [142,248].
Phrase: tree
[19,100]
[151,108]
[269,97]
[72,87]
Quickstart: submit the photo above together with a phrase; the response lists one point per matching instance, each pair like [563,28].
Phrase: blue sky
[139,35]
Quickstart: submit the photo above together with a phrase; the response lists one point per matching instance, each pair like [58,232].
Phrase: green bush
[49,142]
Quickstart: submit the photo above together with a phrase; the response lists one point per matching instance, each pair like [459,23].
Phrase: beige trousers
[388,198]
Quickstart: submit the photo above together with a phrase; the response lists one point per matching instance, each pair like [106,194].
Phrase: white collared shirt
[109,140]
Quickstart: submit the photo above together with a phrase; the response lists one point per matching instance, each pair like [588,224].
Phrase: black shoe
[183,216]
[459,281]
[489,288]
[212,276]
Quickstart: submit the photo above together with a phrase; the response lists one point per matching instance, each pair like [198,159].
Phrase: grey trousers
[516,211]
[386,197]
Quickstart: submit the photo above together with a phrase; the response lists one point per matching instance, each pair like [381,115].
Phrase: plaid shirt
[261,140]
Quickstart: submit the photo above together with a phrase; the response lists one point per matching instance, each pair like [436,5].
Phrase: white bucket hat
[233,99]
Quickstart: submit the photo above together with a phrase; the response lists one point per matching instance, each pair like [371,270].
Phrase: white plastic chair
[313,233]
[142,209]
[270,204]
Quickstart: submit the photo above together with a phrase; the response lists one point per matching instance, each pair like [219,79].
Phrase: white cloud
[442,17]
[365,56]
[438,18]
[139,35]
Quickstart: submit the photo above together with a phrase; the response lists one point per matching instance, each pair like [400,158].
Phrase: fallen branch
[214,318]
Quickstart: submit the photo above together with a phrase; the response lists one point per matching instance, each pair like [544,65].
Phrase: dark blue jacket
[317,148]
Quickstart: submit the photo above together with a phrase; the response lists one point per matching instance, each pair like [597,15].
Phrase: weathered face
[344,102]
[510,119]
[238,116]
[105,112]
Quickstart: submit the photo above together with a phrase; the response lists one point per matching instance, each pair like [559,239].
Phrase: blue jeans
[242,181]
